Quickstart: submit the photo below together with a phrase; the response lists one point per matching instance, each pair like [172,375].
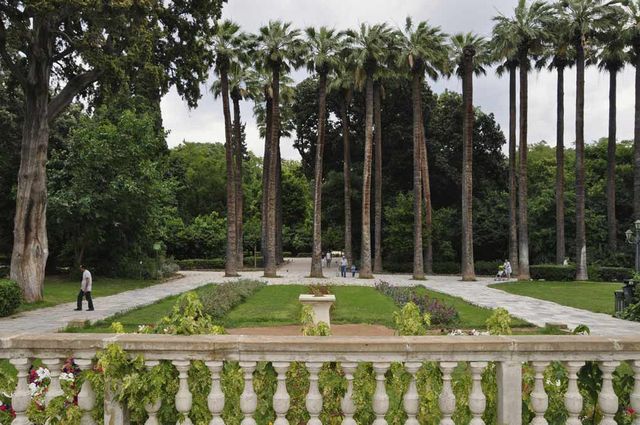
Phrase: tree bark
[279,250]
[365,251]
[468,270]
[581,241]
[316,258]
[523,214]
[611,164]
[636,139]
[560,247]
[266,160]
[238,180]
[513,187]
[418,266]
[426,190]
[270,266]
[230,268]
[346,172]
[377,232]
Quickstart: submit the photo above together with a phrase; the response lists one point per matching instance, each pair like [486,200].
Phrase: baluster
[215,401]
[347,405]
[573,399]
[635,395]
[411,400]
[314,398]
[380,398]
[21,396]
[54,390]
[539,398]
[477,400]
[281,399]
[248,399]
[153,407]
[447,400]
[184,399]
[86,396]
[607,399]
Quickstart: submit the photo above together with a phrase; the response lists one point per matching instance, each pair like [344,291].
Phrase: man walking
[85,289]
[343,266]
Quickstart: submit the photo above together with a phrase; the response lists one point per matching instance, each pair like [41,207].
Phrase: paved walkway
[532,310]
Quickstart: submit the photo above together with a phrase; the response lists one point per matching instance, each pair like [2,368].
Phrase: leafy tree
[56,50]
[632,36]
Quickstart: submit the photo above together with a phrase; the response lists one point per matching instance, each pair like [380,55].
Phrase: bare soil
[337,330]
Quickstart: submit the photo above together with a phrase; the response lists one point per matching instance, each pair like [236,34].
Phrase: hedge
[614,274]
[554,272]
[10,297]
[212,263]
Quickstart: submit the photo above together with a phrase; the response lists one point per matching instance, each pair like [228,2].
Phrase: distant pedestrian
[85,289]
[329,259]
[507,269]
[353,270]
[343,266]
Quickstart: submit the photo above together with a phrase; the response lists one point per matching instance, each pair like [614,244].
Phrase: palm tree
[583,17]
[343,83]
[632,36]
[226,42]
[505,51]
[367,49]
[324,46]
[470,56]
[424,50]
[559,55]
[528,29]
[612,58]
[279,48]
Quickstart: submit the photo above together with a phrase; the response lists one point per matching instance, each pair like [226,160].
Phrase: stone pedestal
[320,306]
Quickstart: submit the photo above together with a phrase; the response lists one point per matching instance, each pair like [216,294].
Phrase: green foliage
[218,300]
[614,274]
[409,321]
[10,297]
[500,322]
[553,272]
[309,328]
[188,318]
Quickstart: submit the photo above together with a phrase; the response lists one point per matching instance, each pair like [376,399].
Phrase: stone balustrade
[508,353]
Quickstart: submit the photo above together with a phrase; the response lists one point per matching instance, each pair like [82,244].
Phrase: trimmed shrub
[553,272]
[10,297]
[304,254]
[488,268]
[446,267]
[213,263]
[218,300]
[614,274]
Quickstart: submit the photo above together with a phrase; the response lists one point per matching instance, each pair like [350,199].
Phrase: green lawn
[471,316]
[58,290]
[592,296]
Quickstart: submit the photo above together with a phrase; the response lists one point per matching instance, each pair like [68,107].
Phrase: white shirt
[87,281]
[343,262]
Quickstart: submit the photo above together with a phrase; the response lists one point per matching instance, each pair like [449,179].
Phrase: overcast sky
[205,123]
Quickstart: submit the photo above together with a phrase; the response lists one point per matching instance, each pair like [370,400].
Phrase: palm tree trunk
[560,249]
[468,270]
[232,235]
[418,266]
[581,241]
[513,188]
[523,228]
[238,180]
[270,266]
[365,251]
[636,139]
[279,248]
[611,164]
[377,233]
[266,160]
[316,258]
[426,190]
[346,172]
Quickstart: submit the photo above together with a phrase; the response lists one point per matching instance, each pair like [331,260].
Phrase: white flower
[33,389]
[67,377]
[456,332]
[43,374]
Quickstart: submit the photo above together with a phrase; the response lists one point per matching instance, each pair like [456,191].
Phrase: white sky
[205,123]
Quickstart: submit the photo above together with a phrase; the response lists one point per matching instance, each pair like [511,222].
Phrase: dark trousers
[86,295]
[343,271]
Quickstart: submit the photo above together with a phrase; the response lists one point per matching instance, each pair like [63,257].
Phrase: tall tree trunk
[426,190]
[418,266]
[316,258]
[513,187]
[560,249]
[266,160]
[279,249]
[365,251]
[30,243]
[270,266]
[611,164]
[230,268]
[523,214]
[346,172]
[238,179]
[636,139]
[377,233]
[581,241]
[468,270]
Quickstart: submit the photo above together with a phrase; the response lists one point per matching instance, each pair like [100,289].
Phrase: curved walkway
[295,271]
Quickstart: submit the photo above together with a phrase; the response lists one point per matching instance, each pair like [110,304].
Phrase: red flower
[3,408]
[630,411]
